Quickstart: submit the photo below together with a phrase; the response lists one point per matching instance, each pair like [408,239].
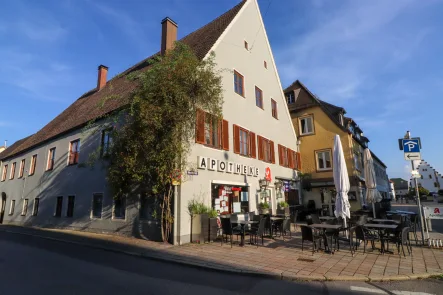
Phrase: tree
[150,148]
[421,191]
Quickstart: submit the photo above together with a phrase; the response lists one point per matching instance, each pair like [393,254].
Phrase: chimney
[169,34]
[102,73]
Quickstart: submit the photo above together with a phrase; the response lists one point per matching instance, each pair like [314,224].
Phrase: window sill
[242,95]
[324,170]
[49,170]
[307,134]
[30,174]
[72,164]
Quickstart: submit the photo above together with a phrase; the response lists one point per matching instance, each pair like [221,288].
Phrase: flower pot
[283,211]
[264,211]
[197,232]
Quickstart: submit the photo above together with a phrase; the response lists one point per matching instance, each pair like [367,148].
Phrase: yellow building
[316,122]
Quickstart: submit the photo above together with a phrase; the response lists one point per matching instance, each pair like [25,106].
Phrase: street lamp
[263,183]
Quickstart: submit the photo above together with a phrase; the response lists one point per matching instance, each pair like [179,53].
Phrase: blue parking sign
[411,146]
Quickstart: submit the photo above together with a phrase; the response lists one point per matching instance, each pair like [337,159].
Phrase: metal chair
[258,232]
[362,235]
[307,234]
[228,230]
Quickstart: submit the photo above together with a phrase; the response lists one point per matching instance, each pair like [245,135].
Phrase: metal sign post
[411,148]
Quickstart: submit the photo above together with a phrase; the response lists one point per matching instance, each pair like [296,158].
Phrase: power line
[256,34]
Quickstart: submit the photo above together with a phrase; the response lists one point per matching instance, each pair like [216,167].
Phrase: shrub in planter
[213,225]
[283,208]
[199,221]
[263,208]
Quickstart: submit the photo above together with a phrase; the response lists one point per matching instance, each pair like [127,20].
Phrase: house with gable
[249,158]
[316,122]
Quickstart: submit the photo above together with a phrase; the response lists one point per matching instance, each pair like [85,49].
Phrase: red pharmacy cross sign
[268,174]
[436,210]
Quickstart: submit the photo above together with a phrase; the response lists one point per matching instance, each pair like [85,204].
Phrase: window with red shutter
[280,155]
[260,147]
[244,142]
[200,127]
[225,135]
[271,143]
[290,158]
[298,161]
[252,145]
[236,139]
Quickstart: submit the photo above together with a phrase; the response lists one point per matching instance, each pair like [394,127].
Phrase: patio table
[324,227]
[385,221]
[381,228]
[327,218]
[242,224]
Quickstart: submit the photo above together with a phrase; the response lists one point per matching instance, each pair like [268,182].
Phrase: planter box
[264,211]
[213,228]
[199,225]
[283,211]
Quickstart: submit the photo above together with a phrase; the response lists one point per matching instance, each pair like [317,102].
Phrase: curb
[204,266]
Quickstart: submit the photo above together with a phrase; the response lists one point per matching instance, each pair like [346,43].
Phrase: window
[244,142]
[35,208]
[265,64]
[246,45]
[25,207]
[11,176]
[274,108]
[351,128]
[33,164]
[74,151]
[357,163]
[106,142]
[341,120]
[51,159]
[97,205]
[119,211]
[430,176]
[265,150]
[258,97]
[421,176]
[324,160]
[306,126]
[239,84]
[58,207]
[283,156]
[5,172]
[290,97]
[71,202]
[22,168]
[12,207]
[211,132]
[435,184]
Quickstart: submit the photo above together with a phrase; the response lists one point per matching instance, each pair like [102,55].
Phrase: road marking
[410,293]
[379,291]
[369,290]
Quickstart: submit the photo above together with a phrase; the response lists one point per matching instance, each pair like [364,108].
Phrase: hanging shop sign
[211,164]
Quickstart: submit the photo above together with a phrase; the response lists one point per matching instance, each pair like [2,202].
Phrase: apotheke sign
[226,166]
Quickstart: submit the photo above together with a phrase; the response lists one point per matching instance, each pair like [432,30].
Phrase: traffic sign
[412,156]
[411,146]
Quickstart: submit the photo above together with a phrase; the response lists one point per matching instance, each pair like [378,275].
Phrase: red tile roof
[94,104]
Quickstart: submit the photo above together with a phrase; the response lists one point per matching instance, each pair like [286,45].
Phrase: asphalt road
[33,265]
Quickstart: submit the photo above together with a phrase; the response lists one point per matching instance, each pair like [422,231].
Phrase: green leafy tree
[421,191]
[150,148]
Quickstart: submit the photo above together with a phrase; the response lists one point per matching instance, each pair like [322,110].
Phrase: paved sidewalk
[279,259]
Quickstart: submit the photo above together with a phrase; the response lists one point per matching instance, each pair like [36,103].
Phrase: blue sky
[380,60]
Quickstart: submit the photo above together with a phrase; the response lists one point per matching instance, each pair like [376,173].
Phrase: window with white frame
[12,207]
[324,161]
[306,125]
[25,207]
[12,174]
[357,161]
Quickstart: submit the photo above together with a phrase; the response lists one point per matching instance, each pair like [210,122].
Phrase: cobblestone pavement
[277,258]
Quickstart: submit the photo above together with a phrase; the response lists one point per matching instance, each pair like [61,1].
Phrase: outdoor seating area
[360,234]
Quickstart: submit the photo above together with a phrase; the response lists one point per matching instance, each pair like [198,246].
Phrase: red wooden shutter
[299,161]
[225,135]
[252,145]
[76,157]
[236,139]
[200,127]
[290,158]
[272,152]
[280,155]
[260,147]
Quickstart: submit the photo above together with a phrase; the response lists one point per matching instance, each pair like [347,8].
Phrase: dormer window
[351,128]
[290,97]
[341,120]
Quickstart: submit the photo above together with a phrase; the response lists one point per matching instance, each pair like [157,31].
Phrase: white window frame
[312,125]
[11,207]
[22,164]
[47,162]
[91,216]
[5,172]
[12,172]
[32,165]
[69,151]
[318,162]
[126,210]
[25,201]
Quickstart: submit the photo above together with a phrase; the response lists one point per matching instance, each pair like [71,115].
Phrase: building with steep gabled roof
[45,181]
[430,178]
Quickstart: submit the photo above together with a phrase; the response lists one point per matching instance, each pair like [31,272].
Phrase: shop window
[323,159]
[230,199]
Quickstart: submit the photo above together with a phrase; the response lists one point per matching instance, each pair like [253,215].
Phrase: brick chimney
[169,34]
[102,73]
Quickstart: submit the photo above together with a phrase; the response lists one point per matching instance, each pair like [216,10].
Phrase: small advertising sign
[433,212]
